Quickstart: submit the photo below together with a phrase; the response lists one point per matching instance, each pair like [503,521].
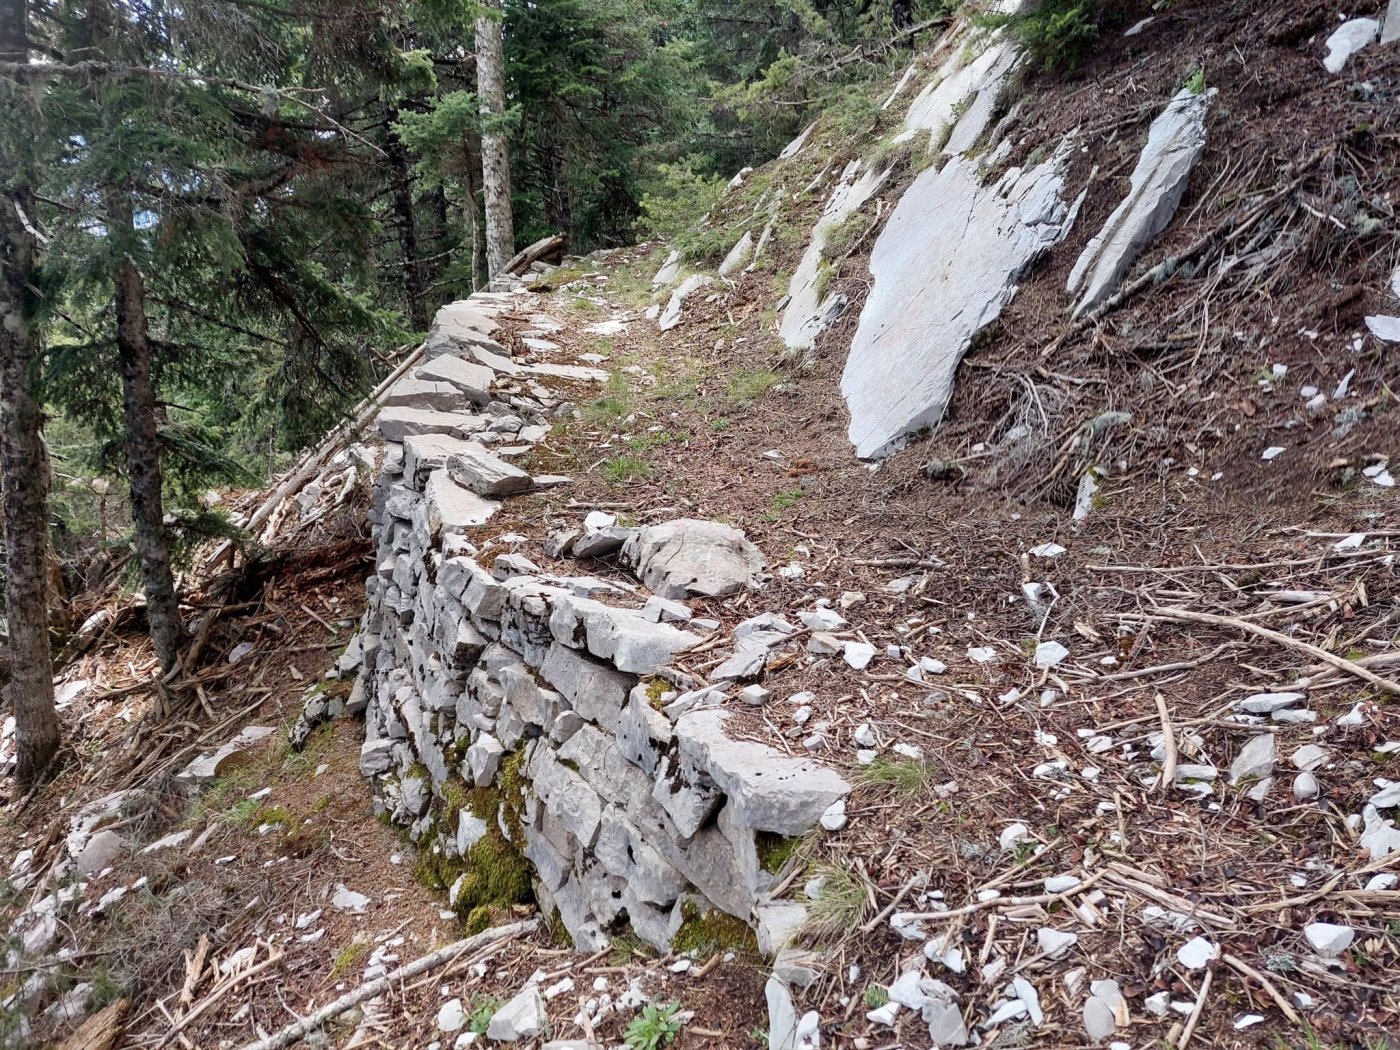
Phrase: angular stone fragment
[690,557]
[1175,142]
[771,791]
[521,1019]
[485,474]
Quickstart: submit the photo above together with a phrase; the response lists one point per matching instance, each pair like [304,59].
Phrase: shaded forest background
[297,184]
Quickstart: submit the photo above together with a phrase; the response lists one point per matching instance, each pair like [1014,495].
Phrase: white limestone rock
[521,1019]
[738,255]
[473,380]
[671,316]
[689,557]
[1255,760]
[811,308]
[770,791]
[485,474]
[946,263]
[210,766]
[1328,939]
[670,270]
[1349,38]
[1175,142]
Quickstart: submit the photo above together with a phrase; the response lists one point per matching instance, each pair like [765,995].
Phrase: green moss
[774,850]
[496,876]
[347,957]
[456,796]
[511,778]
[657,689]
[705,933]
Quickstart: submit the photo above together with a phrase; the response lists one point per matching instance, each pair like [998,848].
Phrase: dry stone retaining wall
[524,724]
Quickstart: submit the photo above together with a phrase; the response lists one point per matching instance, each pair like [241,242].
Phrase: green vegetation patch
[706,932]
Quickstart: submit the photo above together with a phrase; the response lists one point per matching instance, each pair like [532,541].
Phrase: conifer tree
[495,150]
[24,466]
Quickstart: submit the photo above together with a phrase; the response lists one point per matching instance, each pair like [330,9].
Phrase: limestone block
[771,791]
[485,474]
[472,379]
[597,691]
[397,422]
[691,557]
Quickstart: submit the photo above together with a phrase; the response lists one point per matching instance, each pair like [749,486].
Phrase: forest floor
[1203,576]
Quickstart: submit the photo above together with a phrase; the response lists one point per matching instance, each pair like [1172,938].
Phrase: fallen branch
[1340,662]
[1248,971]
[294,1033]
[1168,744]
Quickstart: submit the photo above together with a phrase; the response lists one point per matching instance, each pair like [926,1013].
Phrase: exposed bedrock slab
[691,557]
[810,308]
[738,255]
[945,265]
[959,103]
[771,791]
[1174,144]
[671,316]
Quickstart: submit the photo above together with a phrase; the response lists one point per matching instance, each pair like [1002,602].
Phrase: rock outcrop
[945,265]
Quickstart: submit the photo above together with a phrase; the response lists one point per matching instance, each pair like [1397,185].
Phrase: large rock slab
[473,380]
[691,557]
[811,308]
[425,393]
[770,791]
[945,265]
[485,474]
[397,422]
[1175,142]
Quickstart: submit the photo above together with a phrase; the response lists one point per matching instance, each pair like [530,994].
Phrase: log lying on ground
[546,249]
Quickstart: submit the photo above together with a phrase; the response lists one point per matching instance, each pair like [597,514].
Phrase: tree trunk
[495,159]
[23,465]
[408,226]
[143,452]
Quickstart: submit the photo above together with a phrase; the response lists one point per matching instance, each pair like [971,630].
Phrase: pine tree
[495,150]
[23,464]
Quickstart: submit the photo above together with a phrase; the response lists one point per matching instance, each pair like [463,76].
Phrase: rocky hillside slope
[948,599]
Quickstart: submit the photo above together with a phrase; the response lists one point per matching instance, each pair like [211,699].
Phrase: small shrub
[1057,33]
[656,1026]
[906,778]
[676,200]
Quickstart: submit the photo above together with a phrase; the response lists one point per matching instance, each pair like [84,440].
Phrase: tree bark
[495,158]
[143,451]
[407,224]
[23,463]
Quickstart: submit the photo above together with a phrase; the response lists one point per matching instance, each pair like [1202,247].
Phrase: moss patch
[774,851]
[705,933]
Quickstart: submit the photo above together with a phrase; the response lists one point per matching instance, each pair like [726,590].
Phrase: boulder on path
[1174,144]
[692,557]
